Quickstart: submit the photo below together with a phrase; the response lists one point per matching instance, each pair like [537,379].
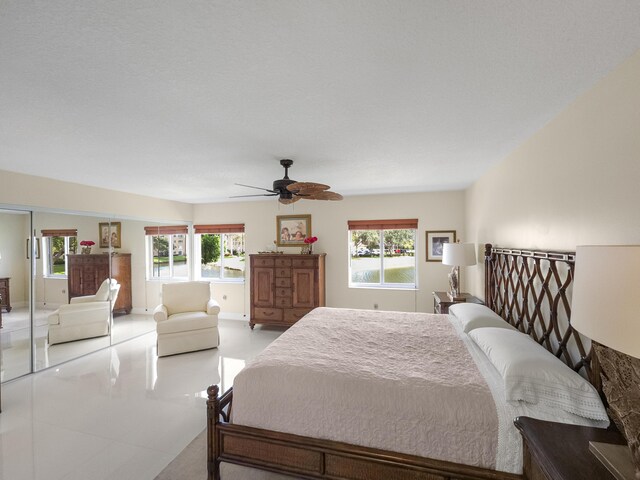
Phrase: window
[57,244]
[382,253]
[168,252]
[220,252]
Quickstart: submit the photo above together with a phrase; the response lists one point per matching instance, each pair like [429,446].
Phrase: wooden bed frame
[529,289]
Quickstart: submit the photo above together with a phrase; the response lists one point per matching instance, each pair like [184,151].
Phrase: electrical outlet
[224,297]
[64,291]
[375,306]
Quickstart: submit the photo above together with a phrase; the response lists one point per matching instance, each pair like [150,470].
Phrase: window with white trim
[382,253]
[167,249]
[220,252]
[57,245]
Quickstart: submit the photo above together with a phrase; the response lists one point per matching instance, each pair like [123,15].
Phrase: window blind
[62,232]
[383,224]
[166,230]
[222,228]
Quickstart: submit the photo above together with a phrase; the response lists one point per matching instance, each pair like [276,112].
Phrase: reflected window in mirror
[57,245]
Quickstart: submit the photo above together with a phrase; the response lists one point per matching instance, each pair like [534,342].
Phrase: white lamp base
[617,459]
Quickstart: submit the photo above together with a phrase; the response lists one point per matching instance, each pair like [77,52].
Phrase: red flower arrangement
[310,240]
[87,243]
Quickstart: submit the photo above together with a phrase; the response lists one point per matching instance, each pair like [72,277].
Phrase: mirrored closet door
[15,290]
[79,283]
[72,288]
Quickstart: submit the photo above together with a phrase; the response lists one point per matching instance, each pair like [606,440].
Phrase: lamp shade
[459,254]
[606,296]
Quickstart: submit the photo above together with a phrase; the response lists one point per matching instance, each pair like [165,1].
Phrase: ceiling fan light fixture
[289,191]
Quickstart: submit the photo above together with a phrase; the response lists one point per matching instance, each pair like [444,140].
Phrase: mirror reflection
[72,309]
[15,312]
[71,284]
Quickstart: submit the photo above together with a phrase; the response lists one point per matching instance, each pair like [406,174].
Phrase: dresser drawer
[283,272]
[283,292]
[283,282]
[267,314]
[283,262]
[295,314]
[283,302]
[262,262]
[303,262]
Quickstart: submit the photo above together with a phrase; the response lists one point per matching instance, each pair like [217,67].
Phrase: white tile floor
[119,413]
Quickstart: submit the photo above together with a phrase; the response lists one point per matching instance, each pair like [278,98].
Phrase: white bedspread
[407,382]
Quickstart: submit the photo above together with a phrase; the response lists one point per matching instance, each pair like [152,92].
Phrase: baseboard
[233,316]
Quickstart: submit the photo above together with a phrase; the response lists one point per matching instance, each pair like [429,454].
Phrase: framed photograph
[110,232]
[436,241]
[291,230]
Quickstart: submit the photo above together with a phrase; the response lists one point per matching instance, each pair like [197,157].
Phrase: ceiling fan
[291,191]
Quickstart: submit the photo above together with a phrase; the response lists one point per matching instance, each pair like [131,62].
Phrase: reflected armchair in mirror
[84,317]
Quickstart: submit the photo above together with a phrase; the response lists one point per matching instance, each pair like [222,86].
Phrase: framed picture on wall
[110,232]
[436,241]
[291,230]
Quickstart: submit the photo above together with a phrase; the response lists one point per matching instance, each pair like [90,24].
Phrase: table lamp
[606,308]
[457,255]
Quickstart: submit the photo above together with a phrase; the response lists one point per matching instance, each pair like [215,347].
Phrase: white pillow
[534,375]
[473,315]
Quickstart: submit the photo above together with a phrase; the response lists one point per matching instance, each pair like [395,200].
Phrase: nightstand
[557,451]
[442,302]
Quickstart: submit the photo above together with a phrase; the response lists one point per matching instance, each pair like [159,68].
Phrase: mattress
[412,383]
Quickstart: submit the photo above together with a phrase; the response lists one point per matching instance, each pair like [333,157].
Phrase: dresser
[87,272]
[5,295]
[284,288]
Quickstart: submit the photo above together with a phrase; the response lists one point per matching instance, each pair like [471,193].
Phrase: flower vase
[306,249]
[86,250]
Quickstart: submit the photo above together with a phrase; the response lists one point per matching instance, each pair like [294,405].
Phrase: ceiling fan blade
[257,195]
[257,188]
[324,196]
[289,201]
[305,187]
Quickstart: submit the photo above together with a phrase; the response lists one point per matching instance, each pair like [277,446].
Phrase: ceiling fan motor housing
[280,186]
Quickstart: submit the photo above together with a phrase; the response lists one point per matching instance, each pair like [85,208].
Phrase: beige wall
[575,182]
[31,191]
[435,211]
[44,194]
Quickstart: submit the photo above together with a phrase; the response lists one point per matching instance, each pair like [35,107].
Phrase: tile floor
[15,352]
[119,413]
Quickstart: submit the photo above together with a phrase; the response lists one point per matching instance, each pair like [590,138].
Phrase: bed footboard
[312,458]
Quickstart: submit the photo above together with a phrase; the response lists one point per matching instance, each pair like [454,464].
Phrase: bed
[325,400]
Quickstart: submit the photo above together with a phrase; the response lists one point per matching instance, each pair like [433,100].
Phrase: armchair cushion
[186,297]
[186,322]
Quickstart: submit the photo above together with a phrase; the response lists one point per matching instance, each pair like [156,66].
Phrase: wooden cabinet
[284,288]
[87,272]
[557,451]
[5,295]
[442,301]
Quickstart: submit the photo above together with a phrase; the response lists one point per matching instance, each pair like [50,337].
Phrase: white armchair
[187,319]
[84,317]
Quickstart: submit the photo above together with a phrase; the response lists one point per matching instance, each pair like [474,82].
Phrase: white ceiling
[181,99]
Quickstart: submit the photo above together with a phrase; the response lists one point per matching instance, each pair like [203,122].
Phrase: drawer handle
[268,313]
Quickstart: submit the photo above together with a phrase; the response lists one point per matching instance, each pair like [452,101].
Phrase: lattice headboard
[531,290]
